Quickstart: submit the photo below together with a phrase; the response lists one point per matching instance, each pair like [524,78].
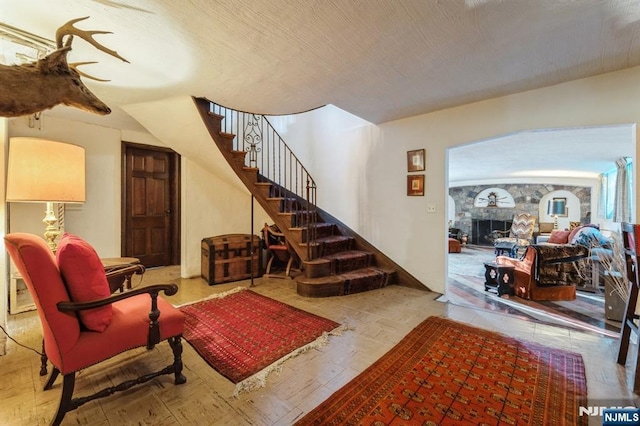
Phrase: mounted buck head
[33,87]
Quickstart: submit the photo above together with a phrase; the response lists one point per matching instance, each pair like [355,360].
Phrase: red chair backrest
[37,265]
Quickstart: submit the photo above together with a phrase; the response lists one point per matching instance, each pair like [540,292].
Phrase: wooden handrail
[276,163]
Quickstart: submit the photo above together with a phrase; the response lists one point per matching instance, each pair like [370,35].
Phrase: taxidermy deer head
[33,87]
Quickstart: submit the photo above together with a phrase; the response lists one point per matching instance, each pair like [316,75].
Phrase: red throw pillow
[84,275]
[559,237]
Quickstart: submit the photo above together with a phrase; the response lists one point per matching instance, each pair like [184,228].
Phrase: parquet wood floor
[380,319]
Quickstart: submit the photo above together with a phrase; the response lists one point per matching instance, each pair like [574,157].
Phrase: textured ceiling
[378,59]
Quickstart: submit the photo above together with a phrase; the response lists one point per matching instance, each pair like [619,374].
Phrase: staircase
[335,261]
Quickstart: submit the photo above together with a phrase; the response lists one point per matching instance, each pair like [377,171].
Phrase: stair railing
[277,164]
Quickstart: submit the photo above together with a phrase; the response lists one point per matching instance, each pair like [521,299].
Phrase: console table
[125,267]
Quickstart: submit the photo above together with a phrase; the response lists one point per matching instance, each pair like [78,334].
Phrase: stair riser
[216,121]
[341,285]
[332,289]
[303,219]
[317,269]
[365,283]
[329,248]
[340,266]
[321,230]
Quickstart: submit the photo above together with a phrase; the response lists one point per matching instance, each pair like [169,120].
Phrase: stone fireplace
[481,230]
[478,222]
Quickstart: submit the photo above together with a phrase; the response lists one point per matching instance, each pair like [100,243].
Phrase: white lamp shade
[42,170]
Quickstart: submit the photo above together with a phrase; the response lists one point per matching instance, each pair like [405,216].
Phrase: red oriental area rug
[245,336]
[447,373]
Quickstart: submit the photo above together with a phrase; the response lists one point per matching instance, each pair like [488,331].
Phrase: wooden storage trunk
[228,258]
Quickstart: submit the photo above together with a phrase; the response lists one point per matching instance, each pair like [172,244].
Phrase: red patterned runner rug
[245,336]
[447,373]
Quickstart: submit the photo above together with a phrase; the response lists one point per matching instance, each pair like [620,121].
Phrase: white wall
[573,209]
[361,171]
[212,206]
[207,200]
[4,280]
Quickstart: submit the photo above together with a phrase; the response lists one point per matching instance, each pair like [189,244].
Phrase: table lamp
[45,171]
[558,207]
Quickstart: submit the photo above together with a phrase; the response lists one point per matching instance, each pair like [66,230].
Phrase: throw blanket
[560,264]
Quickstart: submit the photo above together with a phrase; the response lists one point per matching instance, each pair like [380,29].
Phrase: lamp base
[51,231]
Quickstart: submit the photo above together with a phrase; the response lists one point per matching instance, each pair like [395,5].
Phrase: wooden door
[151,205]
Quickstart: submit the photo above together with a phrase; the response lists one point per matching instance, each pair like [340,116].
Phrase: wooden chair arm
[117,271]
[119,274]
[153,290]
[153,336]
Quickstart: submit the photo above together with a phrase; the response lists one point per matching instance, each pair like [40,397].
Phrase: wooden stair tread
[369,269]
[333,238]
[215,115]
[347,253]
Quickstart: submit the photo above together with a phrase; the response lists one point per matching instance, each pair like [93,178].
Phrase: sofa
[555,269]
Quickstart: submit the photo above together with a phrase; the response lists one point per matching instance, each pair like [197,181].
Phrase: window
[616,197]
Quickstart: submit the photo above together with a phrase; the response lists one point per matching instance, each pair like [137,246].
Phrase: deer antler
[74,66]
[50,81]
[69,30]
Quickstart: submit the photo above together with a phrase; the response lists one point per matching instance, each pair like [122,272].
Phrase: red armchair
[138,318]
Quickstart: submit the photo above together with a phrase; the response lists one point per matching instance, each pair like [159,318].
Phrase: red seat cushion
[85,279]
[129,329]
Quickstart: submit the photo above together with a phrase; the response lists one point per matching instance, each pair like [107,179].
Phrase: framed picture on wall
[558,207]
[415,185]
[415,160]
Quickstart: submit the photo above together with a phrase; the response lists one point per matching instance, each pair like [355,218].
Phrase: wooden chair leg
[627,325]
[288,270]
[268,270]
[176,345]
[636,379]
[68,384]
[43,361]
[52,378]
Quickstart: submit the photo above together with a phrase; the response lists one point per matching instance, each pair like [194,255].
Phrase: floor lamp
[45,171]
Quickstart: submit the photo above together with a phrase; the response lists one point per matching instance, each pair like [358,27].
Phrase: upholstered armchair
[82,323]
[548,271]
[518,237]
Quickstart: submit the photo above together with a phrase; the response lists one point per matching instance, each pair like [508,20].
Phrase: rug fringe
[215,296]
[259,380]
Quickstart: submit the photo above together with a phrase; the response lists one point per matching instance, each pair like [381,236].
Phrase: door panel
[151,205]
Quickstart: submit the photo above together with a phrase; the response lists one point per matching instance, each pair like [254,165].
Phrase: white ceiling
[378,59]
[570,153]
